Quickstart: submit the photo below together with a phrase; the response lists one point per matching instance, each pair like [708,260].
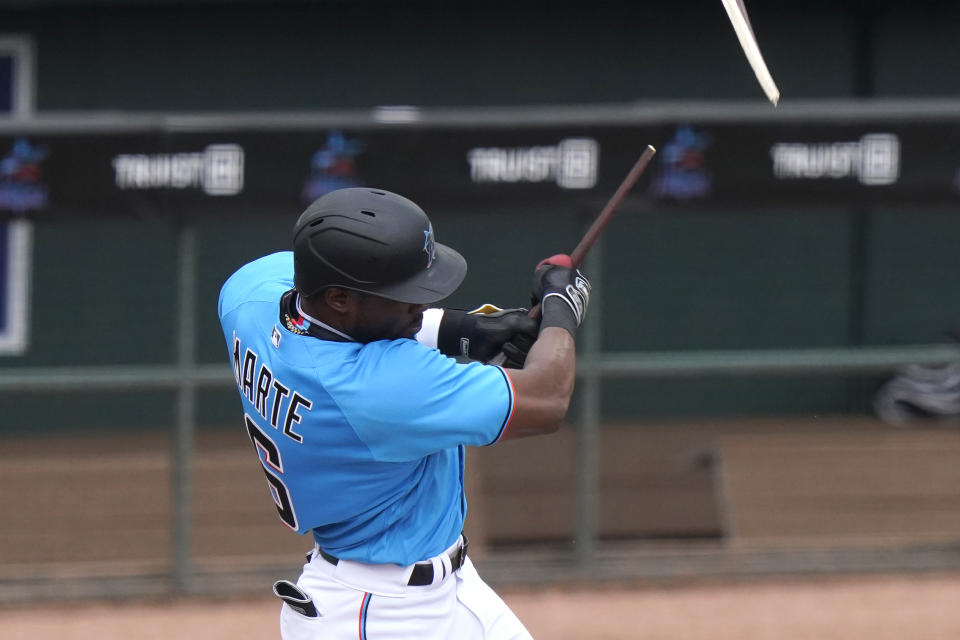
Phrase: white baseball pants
[358,601]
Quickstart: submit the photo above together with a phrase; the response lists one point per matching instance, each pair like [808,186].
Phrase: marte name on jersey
[269,396]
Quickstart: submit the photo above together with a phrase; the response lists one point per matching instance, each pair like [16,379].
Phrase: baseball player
[360,416]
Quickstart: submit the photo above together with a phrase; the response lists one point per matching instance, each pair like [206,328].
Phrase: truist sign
[572,164]
[217,170]
[874,159]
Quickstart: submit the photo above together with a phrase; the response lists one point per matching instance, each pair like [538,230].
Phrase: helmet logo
[429,245]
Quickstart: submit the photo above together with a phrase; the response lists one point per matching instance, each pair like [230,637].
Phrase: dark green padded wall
[727,280]
[102,294]
[331,55]
[912,277]
[691,280]
[915,50]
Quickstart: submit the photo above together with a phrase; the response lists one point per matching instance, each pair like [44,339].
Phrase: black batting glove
[484,332]
[563,293]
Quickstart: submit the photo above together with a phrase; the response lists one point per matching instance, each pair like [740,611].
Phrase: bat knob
[559,260]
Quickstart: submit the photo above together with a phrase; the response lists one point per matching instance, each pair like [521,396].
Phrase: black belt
[422,573]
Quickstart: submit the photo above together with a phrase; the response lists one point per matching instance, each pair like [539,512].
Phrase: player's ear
[338,299]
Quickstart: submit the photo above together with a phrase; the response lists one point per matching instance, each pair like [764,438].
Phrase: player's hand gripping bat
[599,224]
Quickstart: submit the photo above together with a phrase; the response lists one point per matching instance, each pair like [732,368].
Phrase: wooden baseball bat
[603,218]
[737,13]
[599,224]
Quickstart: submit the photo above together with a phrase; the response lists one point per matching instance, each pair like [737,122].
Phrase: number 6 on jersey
[271,460]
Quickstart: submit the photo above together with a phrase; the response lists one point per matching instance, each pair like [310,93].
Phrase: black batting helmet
[373,241]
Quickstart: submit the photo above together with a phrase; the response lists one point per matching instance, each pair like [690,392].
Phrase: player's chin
[413,328]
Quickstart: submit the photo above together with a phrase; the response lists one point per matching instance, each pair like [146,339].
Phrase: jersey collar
[300,323]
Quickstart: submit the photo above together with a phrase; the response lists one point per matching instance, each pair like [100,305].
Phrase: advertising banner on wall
[275,172]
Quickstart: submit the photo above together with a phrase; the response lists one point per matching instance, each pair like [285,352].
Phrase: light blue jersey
[361,443]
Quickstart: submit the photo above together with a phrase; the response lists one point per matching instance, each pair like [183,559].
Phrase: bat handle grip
[498,359]
[501,358]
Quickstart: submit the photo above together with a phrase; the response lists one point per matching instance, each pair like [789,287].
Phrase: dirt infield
[921,606]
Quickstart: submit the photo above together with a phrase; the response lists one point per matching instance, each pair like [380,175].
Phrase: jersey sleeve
[406,401]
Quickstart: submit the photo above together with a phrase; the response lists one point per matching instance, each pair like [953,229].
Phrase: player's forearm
[553,360]
[544,386]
